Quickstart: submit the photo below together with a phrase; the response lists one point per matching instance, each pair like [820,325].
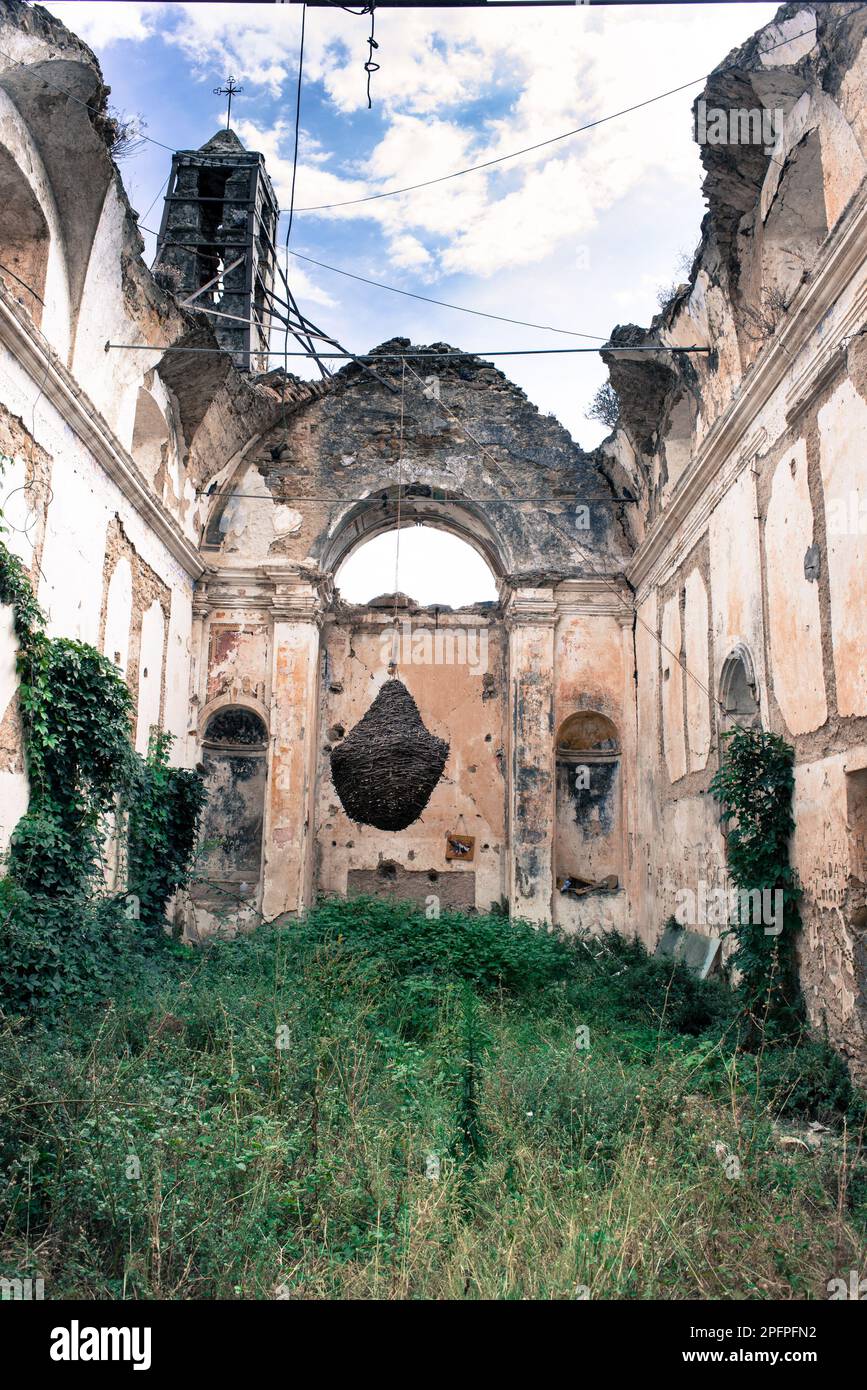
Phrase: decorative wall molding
[283,592]
[531,608]
[594,598]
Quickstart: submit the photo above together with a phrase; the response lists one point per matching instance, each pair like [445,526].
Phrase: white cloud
[305,290]
[409,253]
[552,69]
[101,24]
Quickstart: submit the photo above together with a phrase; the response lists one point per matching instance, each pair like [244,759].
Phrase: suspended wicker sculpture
[388,765]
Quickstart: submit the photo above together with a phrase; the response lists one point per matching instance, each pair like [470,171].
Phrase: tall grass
[371,1105]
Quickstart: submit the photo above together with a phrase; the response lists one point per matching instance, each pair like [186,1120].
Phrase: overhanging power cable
[565,135]
[415,356]
[443,304]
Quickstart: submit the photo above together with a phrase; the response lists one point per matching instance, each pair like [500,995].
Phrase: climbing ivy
[755,785]
[164,805]
[61,929]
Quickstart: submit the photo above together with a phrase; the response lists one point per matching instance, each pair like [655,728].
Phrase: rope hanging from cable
[370,67]
[392,665]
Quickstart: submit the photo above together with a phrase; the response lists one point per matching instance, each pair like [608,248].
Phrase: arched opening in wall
[429,565]
[24,239]
[587,842]
[55,98]
[211,255]
[234,754]
[738,692]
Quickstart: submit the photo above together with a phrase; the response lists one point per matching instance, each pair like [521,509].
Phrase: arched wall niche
[234,724]
[118,615]
[587,845]
[234,743]
[151,673]
[738,690]
[587,732]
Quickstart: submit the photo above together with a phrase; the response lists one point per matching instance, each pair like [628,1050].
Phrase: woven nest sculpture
[387,766]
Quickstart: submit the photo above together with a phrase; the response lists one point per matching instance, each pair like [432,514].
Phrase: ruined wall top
[783,140]
[474,455]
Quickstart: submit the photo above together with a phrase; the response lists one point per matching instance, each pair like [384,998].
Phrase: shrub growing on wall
[62,934]
[755,784]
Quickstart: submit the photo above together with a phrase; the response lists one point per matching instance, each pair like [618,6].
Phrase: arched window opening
[433,567]
[234,754]
[587,839]
[739,692]
[24,239]
[210,262]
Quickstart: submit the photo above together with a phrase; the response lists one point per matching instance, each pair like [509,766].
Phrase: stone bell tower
[218,231]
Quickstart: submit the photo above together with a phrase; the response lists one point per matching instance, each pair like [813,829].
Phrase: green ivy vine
[163,805]
[755,785]
[62,931]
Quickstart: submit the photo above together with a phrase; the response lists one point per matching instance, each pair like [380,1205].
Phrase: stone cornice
[734,439]
[58,385]
[531,608]
[593,598]
[279,592]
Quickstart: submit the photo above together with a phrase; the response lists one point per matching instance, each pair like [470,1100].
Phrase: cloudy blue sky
[580,235]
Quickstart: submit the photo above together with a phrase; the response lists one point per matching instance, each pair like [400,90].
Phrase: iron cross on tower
[229,90]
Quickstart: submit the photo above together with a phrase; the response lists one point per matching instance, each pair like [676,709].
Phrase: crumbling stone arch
[56,99]
[423,507]
[795,226]
[151,437]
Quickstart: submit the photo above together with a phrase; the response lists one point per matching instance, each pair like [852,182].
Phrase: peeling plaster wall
[829,862]
[68,513]
[758,543]
[747,534]
[464,702]
[794,630]
[108,455]
[843,462]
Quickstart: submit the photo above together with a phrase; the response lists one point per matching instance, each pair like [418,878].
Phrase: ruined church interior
[185,505]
